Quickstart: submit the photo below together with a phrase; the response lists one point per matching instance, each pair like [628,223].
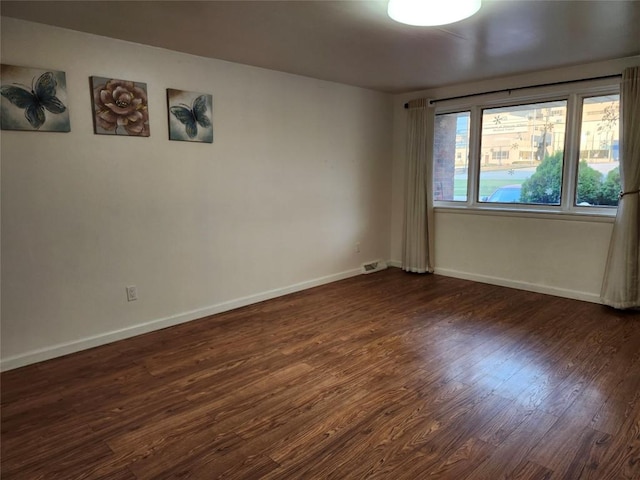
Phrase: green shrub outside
[544,186]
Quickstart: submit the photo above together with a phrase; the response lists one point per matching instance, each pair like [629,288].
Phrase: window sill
[599,216]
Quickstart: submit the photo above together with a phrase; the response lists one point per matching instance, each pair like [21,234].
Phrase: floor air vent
[371,267]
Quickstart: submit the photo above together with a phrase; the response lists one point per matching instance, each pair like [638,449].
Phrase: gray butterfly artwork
[190,116]
[33,99]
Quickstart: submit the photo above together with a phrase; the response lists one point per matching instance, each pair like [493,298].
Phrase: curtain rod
[509,90]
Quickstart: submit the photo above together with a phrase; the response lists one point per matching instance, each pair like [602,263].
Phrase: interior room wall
[295,191]
[559,255]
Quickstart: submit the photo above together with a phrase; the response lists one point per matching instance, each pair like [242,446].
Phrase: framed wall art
[33,99]
[120,107]
[190,116]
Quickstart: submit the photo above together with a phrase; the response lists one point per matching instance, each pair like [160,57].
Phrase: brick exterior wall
[444,153]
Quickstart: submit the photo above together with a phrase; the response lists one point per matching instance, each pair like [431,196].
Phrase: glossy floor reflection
[390,376]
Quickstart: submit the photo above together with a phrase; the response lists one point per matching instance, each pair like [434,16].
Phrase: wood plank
[454,440]
[622,457]
[531,471]
[566,436]
[508,457]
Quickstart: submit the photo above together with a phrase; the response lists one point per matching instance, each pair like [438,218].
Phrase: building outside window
[561,154]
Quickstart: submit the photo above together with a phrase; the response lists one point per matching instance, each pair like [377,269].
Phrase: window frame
[573,94]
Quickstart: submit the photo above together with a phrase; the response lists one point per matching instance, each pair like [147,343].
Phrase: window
[451,156]
[535,130]
[558,153]
[598,170]
[500,155]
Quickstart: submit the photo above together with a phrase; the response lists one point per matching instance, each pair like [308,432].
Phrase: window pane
[521,153]
[598,171]
[451,156]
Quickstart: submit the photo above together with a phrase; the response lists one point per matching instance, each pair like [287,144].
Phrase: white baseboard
[61,349]
[531,287]
[505,282]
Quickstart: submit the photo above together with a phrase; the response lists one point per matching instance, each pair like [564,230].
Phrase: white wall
[299,172]
[561,256]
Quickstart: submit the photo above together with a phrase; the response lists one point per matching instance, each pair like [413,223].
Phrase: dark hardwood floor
[387,376]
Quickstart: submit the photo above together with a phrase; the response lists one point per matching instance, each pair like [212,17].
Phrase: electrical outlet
[358,247]
[132,293]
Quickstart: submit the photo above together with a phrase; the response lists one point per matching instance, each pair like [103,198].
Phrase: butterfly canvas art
[33,99]
[190,116]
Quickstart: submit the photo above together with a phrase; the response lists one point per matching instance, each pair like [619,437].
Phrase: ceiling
[354,42]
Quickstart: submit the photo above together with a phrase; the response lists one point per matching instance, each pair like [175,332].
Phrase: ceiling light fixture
[429,13]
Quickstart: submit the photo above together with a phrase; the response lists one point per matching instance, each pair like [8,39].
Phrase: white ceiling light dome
[425,13]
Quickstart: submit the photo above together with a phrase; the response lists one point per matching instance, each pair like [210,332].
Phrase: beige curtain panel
[417,246]
[621,286]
